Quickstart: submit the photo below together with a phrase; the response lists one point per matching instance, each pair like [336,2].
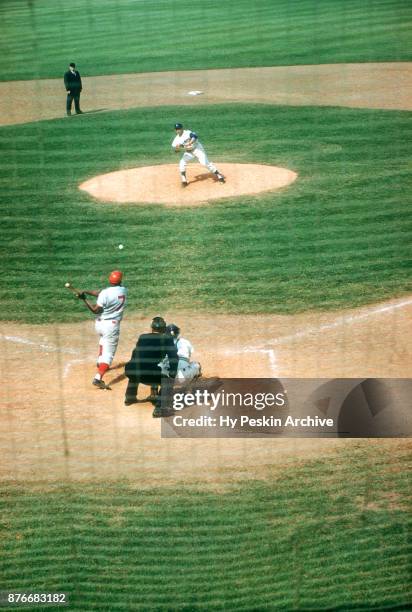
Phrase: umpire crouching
[144,366]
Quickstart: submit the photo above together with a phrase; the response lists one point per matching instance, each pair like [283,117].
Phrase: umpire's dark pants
[73,96]
[166,387]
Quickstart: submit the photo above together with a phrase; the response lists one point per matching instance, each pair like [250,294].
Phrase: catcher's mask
[115,277]
[173,330]
[158,324]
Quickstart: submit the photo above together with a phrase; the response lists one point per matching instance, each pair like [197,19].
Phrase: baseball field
[309,278]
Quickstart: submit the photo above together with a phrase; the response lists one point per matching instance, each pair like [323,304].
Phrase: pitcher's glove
[184,148]
[81,296]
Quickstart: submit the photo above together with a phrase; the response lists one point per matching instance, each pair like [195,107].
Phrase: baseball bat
[70,287]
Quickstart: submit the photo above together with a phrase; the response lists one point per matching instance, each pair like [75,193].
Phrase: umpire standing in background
[73,85]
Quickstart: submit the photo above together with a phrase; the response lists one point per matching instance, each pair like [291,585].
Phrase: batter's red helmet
[115,277]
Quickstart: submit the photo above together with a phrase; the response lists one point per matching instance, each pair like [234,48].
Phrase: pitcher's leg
[203,159]
[187,157]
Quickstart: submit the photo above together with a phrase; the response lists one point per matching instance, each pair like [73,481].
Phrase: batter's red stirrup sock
[102,369]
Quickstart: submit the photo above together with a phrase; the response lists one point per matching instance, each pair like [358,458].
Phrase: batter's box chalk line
[49,348]
[264,349]
[310,331]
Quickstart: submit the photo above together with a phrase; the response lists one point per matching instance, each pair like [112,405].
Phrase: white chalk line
[272,359]
[270,352]
[48,348]
[45,347]
[309,331]
[71,363]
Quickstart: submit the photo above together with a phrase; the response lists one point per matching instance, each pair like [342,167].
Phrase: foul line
[263,348]
[315,330]
[46,347]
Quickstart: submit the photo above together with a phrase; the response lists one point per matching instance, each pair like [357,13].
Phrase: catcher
[187,370]
[188,142]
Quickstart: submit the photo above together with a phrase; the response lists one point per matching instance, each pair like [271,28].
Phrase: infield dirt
[55,426]
[370,85]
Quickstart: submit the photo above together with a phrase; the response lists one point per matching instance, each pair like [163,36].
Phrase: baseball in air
[121,246]
[67,284]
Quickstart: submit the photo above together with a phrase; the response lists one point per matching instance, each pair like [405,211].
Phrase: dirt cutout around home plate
[161,184]
[55,426]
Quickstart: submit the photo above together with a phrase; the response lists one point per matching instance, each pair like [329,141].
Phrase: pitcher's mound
[161,184]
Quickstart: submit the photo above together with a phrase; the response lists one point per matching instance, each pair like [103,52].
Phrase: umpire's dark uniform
[73,85]
[143,366]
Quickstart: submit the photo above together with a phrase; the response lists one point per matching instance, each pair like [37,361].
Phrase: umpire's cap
[173,330]
[158,324]
[178,126]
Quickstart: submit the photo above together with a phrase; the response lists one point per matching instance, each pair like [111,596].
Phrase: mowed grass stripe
[286,251]
[329,533]
[129,36]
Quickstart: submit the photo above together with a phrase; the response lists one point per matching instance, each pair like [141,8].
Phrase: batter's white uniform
[107,325]
[186,369]
[198,151]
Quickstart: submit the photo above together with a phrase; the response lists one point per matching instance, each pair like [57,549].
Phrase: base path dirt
[56,426]
[161,184]
[370,85]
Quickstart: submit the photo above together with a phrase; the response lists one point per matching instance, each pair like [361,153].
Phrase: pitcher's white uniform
[107,325]
[186,370]
[197,152]
[188,141]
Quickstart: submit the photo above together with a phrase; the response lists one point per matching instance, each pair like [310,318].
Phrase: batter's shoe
[100,384]
[129,402]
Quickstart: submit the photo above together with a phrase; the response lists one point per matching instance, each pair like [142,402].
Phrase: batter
[109,308]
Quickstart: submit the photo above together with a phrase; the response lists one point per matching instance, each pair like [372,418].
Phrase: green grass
[117,36]
[333,533]
[337,237]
